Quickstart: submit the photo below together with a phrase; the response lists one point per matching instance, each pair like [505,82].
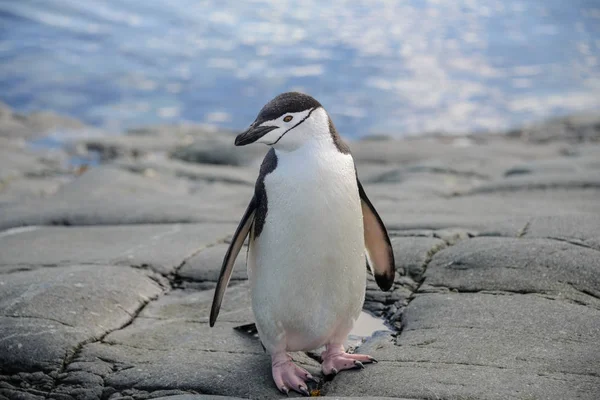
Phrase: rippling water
[379,66]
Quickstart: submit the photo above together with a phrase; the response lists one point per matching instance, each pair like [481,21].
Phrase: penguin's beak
[252,134]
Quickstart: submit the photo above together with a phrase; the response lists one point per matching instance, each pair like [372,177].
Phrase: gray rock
[519,265]
[206,265]
[483,346]
[171,347]
[583,230]
[420,185]
[112,147]
[109,195]
[496,214]
[584,127]
[35,124]
[191,143]
[48,313]
[26,173]
[47,121]
[581,180]
[530,331]
[391,303]
[219,150]
[413,253]
[193,172]
[564,165]
[162,248]
[14,191]
[16,161]
[485,157]
[194,306]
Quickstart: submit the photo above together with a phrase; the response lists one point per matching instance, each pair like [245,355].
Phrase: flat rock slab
[484,346]
[206,265]
[159,247]
[581,230]
[456,153]
[35,124]
[170,346]
[194,306]
[194,172]
[495,214]
[413,253]
[519,265]
[16,161]
[112,196]
[47,313]
[219,150]
[581,180]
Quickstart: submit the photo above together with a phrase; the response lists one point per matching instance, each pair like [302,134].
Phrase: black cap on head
[290,102]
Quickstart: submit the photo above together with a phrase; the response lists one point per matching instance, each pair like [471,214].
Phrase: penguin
[311,231]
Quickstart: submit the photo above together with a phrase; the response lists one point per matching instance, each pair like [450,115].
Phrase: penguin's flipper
[232,252]
[380,255]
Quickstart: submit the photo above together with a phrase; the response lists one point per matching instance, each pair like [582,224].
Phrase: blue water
[396,67]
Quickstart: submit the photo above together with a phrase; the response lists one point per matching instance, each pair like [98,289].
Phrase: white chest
[310,254]
[313,208]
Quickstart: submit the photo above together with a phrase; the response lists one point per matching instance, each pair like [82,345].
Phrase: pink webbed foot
[335,359]
[288,376]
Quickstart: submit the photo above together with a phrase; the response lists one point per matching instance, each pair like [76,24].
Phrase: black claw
[303,390]
[334,371]
[358,364]
[371,359]
[312,378]
[285,391]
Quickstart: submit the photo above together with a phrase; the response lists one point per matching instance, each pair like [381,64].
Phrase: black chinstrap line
[303,119]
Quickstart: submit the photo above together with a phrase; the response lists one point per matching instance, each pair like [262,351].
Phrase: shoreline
[107,272]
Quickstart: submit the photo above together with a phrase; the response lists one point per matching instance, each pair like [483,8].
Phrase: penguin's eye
[288,118]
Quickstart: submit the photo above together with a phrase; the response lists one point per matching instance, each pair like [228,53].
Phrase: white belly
[307,267]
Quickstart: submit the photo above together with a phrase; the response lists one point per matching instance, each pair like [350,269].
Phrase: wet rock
[483,346]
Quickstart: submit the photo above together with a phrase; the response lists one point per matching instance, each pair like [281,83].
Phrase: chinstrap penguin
[311,228]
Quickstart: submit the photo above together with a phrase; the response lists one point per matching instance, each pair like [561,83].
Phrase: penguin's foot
[288,376]
[335,359]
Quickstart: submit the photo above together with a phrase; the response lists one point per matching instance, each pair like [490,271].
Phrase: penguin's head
[287,122]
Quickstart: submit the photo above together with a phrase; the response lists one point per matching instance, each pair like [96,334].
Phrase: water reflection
[379,66]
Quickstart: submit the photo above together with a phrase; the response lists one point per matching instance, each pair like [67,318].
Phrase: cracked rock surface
[107,274]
